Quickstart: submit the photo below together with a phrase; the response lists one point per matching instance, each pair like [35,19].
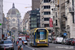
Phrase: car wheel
[12,49]
[26,43]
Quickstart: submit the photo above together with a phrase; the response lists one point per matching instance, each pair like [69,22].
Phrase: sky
[19,4]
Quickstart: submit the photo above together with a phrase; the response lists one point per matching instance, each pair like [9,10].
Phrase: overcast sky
[19,4]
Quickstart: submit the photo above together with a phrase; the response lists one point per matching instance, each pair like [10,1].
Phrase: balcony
[71,10]
[57,27]
[45,22]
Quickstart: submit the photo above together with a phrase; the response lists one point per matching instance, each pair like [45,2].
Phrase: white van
[59,40]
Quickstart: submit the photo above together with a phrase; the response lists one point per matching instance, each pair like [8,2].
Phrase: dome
[13,10]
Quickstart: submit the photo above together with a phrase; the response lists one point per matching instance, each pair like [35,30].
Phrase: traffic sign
[65,34]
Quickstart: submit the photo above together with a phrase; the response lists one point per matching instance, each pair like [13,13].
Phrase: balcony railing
[71,9]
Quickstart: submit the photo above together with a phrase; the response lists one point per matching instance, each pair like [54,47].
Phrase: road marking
[65,47]
[30,47]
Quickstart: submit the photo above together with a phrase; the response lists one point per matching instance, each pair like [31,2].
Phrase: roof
[13,10]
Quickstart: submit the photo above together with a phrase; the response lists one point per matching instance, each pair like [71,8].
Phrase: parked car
[64,40]
[73,42]
[50,40]
[6,44]
[25,42]
[58,40]
[68,42]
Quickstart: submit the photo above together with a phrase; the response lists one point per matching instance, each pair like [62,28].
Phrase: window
[73,4]
[46,7]
[46,1]
[33,25]
[13,20]
[33,18]
[33,22]
[46,19]
[56,14]
[46,13]
[56,23]
[73,17]
[46,25]
[49,31]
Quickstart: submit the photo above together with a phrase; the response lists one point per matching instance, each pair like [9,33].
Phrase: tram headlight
[38,42]
[45,41]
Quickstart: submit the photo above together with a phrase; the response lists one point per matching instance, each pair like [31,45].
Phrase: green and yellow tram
[39,37]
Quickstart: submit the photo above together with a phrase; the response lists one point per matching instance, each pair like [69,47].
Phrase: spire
[13,6]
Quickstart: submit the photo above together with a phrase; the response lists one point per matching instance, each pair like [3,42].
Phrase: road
[55,47]
[24,47]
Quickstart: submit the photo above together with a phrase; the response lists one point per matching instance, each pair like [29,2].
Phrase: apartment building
[64,18]
[26,19]
[46,13]
[70,23]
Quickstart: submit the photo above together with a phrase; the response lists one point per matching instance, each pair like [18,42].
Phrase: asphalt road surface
[55,47]
[24,47]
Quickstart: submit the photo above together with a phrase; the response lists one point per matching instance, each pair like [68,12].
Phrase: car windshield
[7,42]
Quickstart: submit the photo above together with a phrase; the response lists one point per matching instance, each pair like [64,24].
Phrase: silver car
[6,44]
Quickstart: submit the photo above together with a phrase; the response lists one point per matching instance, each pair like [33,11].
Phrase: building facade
[70,23]
[46,13]
[35,4]
[26,26]
[59,25]
[4,25]
[65,18]
[34,19]
[14,21]
[1,18]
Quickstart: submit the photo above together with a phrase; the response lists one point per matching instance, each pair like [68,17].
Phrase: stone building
[70,23]
[4,25]
[65,18]
[26,26]
[14,20]
[1,18]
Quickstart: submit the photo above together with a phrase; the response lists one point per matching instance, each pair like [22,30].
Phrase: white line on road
[30,47]
[65,47]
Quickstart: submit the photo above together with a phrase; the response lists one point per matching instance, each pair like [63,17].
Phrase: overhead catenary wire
[16,3]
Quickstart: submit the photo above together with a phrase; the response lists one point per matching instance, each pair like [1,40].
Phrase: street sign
[65,34]
[0,24]
[7,31]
